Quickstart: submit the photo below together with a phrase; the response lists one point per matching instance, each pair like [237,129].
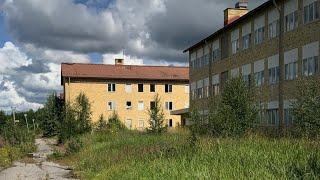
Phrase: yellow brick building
[128,90]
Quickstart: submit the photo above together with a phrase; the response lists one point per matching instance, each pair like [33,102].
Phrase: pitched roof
[232,25]
[125,72]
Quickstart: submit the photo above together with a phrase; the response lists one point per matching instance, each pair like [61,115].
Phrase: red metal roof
[125,72]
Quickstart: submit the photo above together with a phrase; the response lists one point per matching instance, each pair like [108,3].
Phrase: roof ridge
[113,65]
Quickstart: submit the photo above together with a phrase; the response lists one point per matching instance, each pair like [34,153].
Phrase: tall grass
[132,155]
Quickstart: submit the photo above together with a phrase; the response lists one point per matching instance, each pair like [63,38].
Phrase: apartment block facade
[277,38]
[128,90]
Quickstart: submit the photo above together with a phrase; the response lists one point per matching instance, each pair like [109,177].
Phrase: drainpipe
[281,66]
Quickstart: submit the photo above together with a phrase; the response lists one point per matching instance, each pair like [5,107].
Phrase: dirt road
[40,169]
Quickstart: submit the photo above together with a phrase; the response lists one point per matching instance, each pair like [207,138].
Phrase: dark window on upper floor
[168,88]
[140,87]
[152,88]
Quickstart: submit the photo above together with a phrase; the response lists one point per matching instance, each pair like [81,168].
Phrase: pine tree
[156,117]
[52,116]
[83,113]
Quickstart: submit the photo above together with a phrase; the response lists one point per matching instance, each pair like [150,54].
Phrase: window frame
[111,87]
[168,88]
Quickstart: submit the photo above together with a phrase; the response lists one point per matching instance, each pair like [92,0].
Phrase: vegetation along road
[39,167]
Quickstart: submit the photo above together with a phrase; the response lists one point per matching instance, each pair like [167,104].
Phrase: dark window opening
[140,87]
[152,88]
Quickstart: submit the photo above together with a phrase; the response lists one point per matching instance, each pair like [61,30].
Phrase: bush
[233,113]
[306,109]
[114,123]
[101,125]
[76,119]
[156,117]
[73,145]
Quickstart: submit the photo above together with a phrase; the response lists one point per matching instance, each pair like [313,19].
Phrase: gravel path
[41,168]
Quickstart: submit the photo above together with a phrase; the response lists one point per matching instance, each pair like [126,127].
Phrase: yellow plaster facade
[133,118]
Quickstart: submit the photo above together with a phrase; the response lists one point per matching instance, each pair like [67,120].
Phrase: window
[311,12]
[235,46]
[186,88]
[129,123]
[128,88]
[206,60]
[291,21]
[168,88]
[152,105]
[140,105]
[111,87]
[274,29]
[141,124]
[216,89]
[170,123]
[129,105]
[152,88]
[215,55]
[224,77]
[310,66]
[259,35]
[200,93]
[288,117]
[168,106]
[274,75]
[259,78]
[291,70]
[246,79]
[273,116]
[111,105]
[140,87]
[246,41]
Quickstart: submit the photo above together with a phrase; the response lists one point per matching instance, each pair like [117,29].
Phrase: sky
[36,36]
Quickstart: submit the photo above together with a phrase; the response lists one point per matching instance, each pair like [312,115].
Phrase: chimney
[119,61]
[232,14]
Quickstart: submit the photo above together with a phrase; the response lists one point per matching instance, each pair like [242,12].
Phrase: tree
[3,118]
[156,117]
[306,108]
[101,124]
[52,116]
[236,111]
[114,123]
[76,118]
[83,113]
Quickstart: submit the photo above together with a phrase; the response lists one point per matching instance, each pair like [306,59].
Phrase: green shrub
[73,145]
[76,119]
[156,117]
[114,123]
[306,108]
[102,124]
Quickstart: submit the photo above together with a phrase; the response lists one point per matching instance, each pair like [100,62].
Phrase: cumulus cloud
[128,60]
[147,29]
[27,81]
[11,58]
[47,33]
[63,25]
[11,98]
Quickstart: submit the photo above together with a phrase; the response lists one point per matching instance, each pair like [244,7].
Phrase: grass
[8,154]
[131,155]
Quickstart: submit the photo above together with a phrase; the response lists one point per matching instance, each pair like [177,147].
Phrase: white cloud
[128,60]
[10,97]
[11,57]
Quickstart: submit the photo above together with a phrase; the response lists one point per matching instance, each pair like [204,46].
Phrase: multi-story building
[128,90]
[271,45]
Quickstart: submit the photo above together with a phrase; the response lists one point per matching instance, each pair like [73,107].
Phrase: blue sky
[4,36]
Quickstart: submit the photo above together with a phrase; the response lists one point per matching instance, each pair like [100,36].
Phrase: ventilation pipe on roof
[232,14]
